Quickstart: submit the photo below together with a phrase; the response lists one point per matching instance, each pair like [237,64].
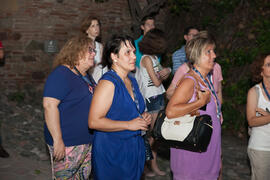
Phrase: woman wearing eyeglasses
[91,28]
[258,117]
[66,100]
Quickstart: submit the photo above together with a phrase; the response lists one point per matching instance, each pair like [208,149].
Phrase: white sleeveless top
[147,87]
[98,70]
[260,136]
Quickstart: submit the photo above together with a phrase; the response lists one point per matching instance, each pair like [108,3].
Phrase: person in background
[117,115]
[258,117]
[150,76]
[179,56]
[90,27]
[3,152]
[195,91]
[147,23]
[67,97]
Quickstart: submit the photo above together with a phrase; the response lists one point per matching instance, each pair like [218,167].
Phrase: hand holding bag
[192,133]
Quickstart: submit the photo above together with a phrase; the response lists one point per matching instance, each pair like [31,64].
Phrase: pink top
[183,69]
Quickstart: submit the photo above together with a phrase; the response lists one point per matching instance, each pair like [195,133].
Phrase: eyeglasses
[267,65]
[91,50]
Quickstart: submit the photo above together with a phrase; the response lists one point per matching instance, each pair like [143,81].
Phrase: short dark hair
[145,18]
[257,66]
[113,45]
[153,43]
[187,29]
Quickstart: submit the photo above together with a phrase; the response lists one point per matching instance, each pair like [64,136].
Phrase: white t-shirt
[260,136]
[98,70]
[147,87]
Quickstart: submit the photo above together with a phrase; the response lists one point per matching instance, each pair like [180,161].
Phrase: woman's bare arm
[52,119]
[252,108]
[100,105]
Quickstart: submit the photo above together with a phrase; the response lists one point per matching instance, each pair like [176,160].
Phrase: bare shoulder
[104,85]
[146,61]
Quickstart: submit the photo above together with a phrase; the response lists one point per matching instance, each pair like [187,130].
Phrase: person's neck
[91,37]
[266,82]
[81,70]
[201,70]
[121,72]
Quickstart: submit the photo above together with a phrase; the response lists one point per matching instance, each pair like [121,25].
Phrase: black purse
[198,138]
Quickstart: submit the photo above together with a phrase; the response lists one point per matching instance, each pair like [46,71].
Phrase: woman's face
[266,67]
[88,58]
[93,30]
[126,57]
[207,57]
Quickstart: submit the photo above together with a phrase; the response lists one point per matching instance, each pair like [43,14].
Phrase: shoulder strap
[190,75]
[257,90]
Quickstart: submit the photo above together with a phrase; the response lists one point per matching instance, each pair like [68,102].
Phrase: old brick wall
[26,24]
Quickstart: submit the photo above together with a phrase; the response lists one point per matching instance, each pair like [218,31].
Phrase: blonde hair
[195,46]
[73,51]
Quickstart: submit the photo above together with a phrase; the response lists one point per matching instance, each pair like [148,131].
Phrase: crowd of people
[101,103]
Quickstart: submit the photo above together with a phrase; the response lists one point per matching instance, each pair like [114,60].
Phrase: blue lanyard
[89,81]
[211,87]
[265,90]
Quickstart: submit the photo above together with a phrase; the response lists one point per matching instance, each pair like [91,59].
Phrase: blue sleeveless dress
[119,155]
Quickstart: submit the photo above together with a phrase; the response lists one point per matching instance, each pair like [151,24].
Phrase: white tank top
[260,136]
[98,70]
[147,87]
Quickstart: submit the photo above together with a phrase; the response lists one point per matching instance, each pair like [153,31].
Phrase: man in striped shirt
[179,56]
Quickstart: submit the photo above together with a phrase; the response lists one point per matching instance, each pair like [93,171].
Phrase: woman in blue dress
[117,114]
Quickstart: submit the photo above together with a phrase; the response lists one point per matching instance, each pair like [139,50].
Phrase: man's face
[148,25]
[191,34]
[1,53]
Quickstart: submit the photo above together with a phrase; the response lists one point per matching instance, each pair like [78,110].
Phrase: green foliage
[244,44]
[177,6]
[37,171]
[262,29]
[225,6]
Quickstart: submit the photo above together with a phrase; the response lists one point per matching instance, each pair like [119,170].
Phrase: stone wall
[26,24]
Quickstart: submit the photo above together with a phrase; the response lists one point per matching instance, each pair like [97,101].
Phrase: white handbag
[178,132]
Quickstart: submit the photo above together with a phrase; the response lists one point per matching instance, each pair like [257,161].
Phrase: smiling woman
[117,115]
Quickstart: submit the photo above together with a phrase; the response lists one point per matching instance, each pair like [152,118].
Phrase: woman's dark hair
[153,43]
[113,45]
[257,67]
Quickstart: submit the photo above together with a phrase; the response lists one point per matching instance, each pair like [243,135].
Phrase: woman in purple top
[195,91]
